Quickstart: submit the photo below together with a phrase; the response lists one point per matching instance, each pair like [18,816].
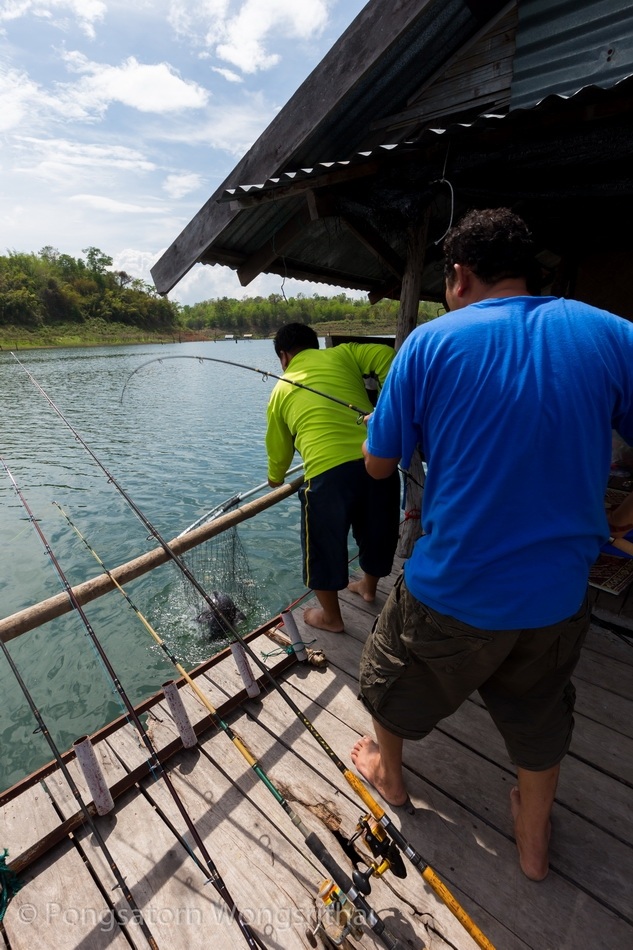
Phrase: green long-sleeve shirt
[324,433]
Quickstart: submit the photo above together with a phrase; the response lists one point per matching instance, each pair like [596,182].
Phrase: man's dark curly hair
[494,242]
[295,336]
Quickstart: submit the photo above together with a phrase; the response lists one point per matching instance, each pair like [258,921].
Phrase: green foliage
[54,297]
[262,316]
[49,289]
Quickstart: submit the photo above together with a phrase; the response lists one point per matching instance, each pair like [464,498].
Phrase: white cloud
[241,32]
[207,282]
[231,126]
[86,12]
[112,206]
[17,93]
[148,88]
[228,74]
[63,163]
[177,186]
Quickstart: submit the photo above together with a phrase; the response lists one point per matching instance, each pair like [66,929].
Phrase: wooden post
[407,321]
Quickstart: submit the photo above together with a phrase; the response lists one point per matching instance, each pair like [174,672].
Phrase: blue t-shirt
[512,402]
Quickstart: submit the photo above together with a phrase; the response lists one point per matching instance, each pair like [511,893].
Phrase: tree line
[264,315]
[50,289]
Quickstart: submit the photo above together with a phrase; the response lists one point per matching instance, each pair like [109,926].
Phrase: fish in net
[221,566]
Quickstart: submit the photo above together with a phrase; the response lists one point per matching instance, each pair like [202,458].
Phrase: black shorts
[347,497]
[419,666]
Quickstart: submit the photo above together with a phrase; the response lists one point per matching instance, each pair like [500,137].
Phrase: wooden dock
[459,779]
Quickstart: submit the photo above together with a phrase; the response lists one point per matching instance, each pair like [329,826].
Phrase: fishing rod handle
[456,909]
[342,879]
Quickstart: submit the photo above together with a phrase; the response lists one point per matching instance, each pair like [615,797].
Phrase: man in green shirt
[337,493]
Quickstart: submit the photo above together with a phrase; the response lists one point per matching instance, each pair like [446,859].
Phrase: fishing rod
[347,887]
[378,812]
[264,373]
[155,763]
[231,502]
[43,728]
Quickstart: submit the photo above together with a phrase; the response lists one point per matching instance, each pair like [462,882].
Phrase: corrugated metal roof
[381,60]
[379,75]
[562,46]
[565,157]
[551,105]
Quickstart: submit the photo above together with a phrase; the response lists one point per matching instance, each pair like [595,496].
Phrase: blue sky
[119,119]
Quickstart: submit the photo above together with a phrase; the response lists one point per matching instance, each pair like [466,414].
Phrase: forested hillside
[49,288]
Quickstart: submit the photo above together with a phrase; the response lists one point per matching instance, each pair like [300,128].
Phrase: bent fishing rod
[316,846]
[121,919]
[378,812]
[155,763]
[264,373]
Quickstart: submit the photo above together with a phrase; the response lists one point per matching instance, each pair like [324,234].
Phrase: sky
[118,120]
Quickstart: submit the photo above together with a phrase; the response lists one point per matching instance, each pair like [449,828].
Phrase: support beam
[274,248]
[407,321]
[375,244]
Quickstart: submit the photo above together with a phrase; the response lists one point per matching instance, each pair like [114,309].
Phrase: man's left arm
[374,359]
[379,467]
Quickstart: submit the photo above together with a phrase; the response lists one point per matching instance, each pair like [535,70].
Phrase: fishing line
[155,763]
[42,727]
[378,812]
[264,373]
[312,841]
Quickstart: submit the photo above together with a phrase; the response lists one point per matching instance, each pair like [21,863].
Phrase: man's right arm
[279,446]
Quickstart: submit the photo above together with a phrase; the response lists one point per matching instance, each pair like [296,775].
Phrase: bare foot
[315,617]
[360,587]
[366,759]
[532,845]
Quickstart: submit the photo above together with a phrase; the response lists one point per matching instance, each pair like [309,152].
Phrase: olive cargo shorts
[418,666]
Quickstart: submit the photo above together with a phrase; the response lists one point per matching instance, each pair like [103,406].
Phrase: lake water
[185,437]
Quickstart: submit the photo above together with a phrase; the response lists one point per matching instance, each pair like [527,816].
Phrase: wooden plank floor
[459,779]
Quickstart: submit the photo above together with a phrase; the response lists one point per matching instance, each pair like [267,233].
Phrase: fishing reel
[337,919]
[385,853]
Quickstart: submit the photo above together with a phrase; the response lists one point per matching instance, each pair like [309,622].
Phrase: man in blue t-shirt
[512,400]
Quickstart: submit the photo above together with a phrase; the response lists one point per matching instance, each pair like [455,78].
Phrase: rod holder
[290,626]
[93,774]
[179,713]
[244,669]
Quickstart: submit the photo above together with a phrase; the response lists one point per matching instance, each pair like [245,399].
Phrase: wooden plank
[601,640]
[583,789]
[602,769]
[165,881]
[471,725]
[605,707]
[464,848]
[272,882]
[606,672]
[274,247]
[320,803]
[60,906]
[24,821]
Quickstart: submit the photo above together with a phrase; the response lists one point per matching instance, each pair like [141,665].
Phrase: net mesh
[221,566]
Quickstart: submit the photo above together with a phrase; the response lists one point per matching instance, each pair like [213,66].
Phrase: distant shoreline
[74,335]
